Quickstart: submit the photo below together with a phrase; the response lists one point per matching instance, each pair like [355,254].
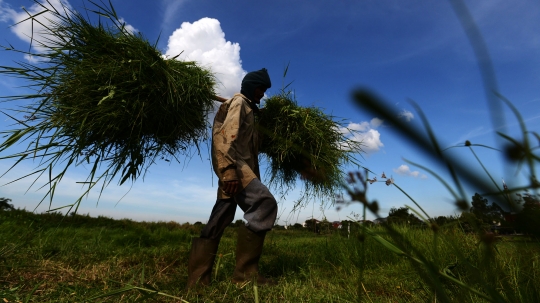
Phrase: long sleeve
[234,150]
[225,141]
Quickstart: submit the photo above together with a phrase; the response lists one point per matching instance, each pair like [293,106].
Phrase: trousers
[257,203]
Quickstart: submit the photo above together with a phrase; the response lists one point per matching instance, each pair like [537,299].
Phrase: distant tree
[443,220]
[237,223]
[469,222]
[528,219]
[5,205]
[402,216]
[325,226]
[197,223]
[486,212]
[313,225]
[297,226]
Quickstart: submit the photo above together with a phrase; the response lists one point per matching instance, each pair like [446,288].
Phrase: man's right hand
[231,187]
[220,99]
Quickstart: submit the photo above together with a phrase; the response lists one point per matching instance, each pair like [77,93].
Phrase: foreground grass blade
[146,292]
[442,273]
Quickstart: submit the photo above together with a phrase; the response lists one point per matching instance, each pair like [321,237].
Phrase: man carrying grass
[235,161]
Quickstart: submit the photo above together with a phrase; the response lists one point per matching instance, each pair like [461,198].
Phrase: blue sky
[402,50]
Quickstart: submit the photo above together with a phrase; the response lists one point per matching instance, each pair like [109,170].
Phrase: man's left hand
[231,187]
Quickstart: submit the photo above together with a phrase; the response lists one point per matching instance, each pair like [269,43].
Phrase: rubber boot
[201,260]
[248,252]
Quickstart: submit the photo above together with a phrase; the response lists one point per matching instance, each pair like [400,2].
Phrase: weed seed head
[351,179]
[462,205]
[515,152]
[359,176]
[373,206]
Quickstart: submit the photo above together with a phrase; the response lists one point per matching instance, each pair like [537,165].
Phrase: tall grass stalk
[482,278]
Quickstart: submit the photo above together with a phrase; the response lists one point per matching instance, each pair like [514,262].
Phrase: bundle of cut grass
[106,95]
[304,142]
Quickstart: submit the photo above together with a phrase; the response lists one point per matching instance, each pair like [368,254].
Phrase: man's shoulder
[239,100]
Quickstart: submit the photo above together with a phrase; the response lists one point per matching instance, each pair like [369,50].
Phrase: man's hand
[231,187]
[220,99]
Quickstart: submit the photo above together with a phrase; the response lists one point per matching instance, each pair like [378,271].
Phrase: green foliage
[476,272]
[104,96]
[82,257]
[402,216]
[470,223]
[312,225]
[5,205]
[486,212]
[297,226]
[304,142]
[484,280]
[527,219]
[446,220]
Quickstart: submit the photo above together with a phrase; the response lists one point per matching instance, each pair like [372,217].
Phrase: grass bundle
[105,95]
[304,142]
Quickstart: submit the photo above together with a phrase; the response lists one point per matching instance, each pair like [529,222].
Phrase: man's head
[255,84]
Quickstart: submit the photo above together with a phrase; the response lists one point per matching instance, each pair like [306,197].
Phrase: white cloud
[36,29]
[407,115]
[361,127]
[23,30]
[128,27]
[365,133]
[404,170]
[170,12]
[376,122]
[5,12]
[204,41]
[371,140]
[32,59]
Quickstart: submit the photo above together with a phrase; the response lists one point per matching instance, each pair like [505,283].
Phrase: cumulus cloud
[404,170]
[5,12]
[127,26]
[36,29]
[23,30]
[366,133]
[376,122]
[407,115]
[204,41]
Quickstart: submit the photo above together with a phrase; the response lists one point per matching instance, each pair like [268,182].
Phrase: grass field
[51,258]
